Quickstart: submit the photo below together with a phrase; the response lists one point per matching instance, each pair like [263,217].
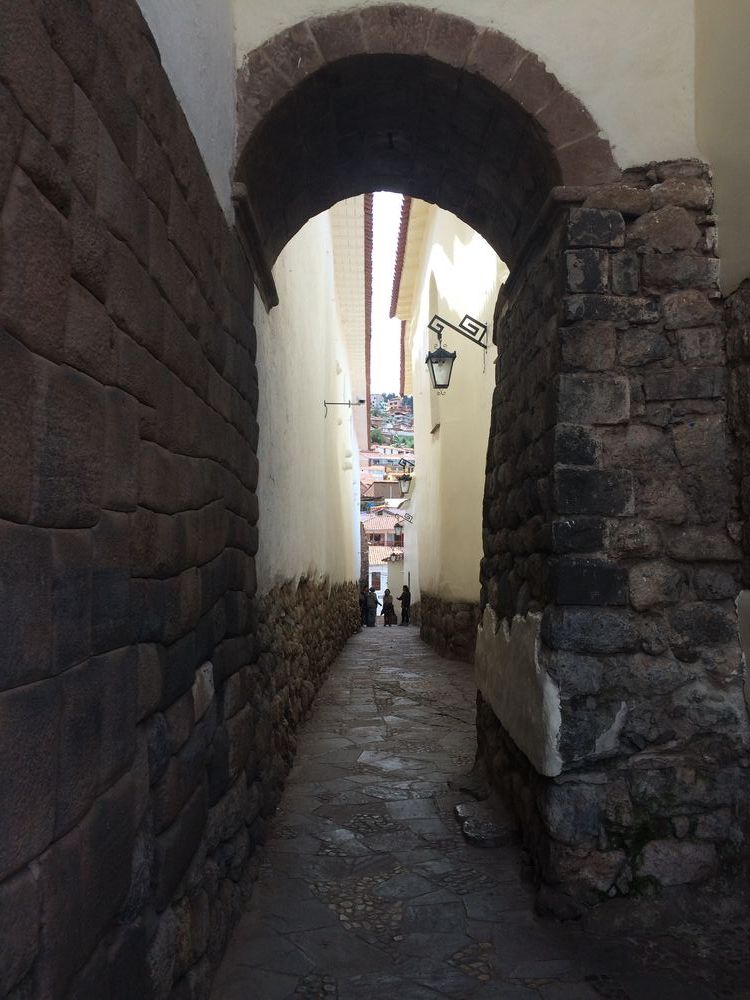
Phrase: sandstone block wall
[135,688]
[450,627]
[612,509]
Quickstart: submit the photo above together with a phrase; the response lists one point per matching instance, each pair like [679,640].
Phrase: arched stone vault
[410,100]
[608,662]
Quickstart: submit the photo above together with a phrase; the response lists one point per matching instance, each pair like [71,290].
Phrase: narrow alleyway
[369,891]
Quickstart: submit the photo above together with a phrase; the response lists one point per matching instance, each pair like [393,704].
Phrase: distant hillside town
[385,475]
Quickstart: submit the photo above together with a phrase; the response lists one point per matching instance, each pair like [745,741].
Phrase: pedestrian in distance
[405,598]
[372,607]
[389,615]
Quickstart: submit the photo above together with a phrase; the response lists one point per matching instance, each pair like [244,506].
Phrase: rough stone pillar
[609,668]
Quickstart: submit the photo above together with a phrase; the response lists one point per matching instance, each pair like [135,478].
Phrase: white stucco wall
[196,42]
[309,466]
[461,274]
[523,696]
[723,124]
[631,64]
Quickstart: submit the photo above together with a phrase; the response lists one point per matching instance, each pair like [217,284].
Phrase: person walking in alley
[405,598]
[389,615]
[372,607]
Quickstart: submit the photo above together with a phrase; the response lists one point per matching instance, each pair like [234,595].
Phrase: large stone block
[90,261]
[702,543]
[72,559]
[588,345]
[593,399]
[133,300]
[112,623]
[685,383]
[26,607]
[122,445]
[20,908]
[589,582]
[594,491]
[655,583]
[578,534]
[11,128]
[589,630]
[21,378]
[701,345]
[85,878]
[34,269]
[641,346]
[68,480]
[701,441]
[674,862]
[688,308]
[90,336]
[62,114]
[39,160]
[587,270]
[595,227]
[118,969]
[84,146]
[670,228]
[26,60]
[177,845]
[610,308]
[680,270]
[152,169]
[113,103]
[71,32]
[97,734]
[29,726]
[185,772]
[690,192]
[628,201]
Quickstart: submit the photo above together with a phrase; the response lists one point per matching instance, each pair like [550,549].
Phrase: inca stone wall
[450,627]
[737,315]
[612,515]
[139,753]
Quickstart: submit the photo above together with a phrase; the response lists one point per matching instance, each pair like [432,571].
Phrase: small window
[375,580]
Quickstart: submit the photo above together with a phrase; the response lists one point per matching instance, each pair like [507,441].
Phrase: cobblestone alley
[368,889]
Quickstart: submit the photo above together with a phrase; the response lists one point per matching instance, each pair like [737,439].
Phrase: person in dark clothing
[372,607]
[389,615]
[405,598]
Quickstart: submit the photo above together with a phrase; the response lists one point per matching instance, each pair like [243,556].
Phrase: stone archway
[414,100]
[609,668]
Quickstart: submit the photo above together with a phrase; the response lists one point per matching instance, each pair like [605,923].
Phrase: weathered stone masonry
[612,515]
[136,685]
[450,627]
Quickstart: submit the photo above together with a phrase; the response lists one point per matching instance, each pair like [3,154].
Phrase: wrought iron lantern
[440,363]
[404,482]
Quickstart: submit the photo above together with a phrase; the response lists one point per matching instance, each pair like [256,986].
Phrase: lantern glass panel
[440,363]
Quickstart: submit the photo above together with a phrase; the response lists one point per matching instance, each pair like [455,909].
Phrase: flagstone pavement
[369,891]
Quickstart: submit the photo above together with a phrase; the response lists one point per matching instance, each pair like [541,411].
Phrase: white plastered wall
[309,467]
[461,274]
[196,42]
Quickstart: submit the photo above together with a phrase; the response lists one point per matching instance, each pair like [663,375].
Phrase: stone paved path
[368,890]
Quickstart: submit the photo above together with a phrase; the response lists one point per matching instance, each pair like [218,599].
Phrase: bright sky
[386,333]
